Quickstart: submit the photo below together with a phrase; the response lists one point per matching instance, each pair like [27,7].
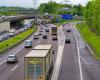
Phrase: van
[28,43]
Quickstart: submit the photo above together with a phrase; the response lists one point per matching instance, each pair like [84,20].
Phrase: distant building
[4,26]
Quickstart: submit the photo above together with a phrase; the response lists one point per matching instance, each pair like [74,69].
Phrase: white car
[28,43]
[35,36]
[12,59]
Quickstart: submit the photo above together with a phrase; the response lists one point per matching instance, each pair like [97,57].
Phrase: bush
[15,40]
[91,38]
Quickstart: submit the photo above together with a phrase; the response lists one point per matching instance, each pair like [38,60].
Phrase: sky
[29,3]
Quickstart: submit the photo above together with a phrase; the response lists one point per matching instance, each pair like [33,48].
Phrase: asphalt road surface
[72,61]
[77,61]
[16,71]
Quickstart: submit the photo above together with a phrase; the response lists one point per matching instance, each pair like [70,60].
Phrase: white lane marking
[2,62]
[79,59]
[19,50]
[15,53]
[14,68]
[38,42]
[59,58]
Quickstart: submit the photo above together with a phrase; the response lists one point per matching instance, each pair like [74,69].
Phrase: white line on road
[19,50]
[79,59]
[14,68]
[38,42]
[2,62]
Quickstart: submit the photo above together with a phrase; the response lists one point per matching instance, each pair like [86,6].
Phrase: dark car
[68,30]
[44,36]
[54,38]
[67,40]
[46,30]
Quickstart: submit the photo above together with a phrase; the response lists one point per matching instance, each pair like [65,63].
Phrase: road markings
[79,59]
[14,68]
[2,62]
[19,50]
[59,57]
[38,42]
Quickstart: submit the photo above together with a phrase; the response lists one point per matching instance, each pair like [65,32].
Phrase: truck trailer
[39,63]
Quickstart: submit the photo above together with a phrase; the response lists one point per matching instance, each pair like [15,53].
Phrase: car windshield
[11,56]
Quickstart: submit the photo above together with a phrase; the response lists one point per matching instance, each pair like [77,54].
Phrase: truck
[38,63]
[54,30]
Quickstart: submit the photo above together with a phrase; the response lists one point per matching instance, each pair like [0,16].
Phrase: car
[67,40]
[54,38]
[68,30]
[5,37]
[28,43]
[35,36]
[44,36]
[41,27]
[46,30]
[11,59]
[40,33]
[1,39]
[11,34]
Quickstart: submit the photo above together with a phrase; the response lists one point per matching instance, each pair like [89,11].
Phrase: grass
[91,38]
[15,40]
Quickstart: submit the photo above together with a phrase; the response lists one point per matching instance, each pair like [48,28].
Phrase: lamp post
[35,13]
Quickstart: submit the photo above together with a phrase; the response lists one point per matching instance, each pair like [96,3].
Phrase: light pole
[35,13]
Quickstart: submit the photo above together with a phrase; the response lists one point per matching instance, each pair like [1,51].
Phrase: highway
[72,61]
[16,71]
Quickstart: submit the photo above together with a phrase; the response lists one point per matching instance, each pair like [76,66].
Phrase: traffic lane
[69,69]
[8,69]
[20,71]
[90,66]
[19,74]
[13,50]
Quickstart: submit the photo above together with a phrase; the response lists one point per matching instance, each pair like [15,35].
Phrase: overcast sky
[29,3]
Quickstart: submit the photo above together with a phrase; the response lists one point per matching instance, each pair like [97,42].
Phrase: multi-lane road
[72,61]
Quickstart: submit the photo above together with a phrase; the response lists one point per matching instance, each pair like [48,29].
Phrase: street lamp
[34,3]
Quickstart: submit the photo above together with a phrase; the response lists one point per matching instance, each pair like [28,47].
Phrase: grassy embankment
[5,45]
[91,38]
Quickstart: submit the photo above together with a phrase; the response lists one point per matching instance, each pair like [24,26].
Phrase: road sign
[67,16]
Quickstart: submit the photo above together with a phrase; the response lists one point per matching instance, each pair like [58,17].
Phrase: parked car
[11,59]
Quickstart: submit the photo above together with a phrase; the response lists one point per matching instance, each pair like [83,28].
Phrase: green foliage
[8,43]
[13,10]
[92,15]
[91,38]
[56,8]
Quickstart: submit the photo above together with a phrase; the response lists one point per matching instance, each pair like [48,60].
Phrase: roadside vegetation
[5,45]
[91,38]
